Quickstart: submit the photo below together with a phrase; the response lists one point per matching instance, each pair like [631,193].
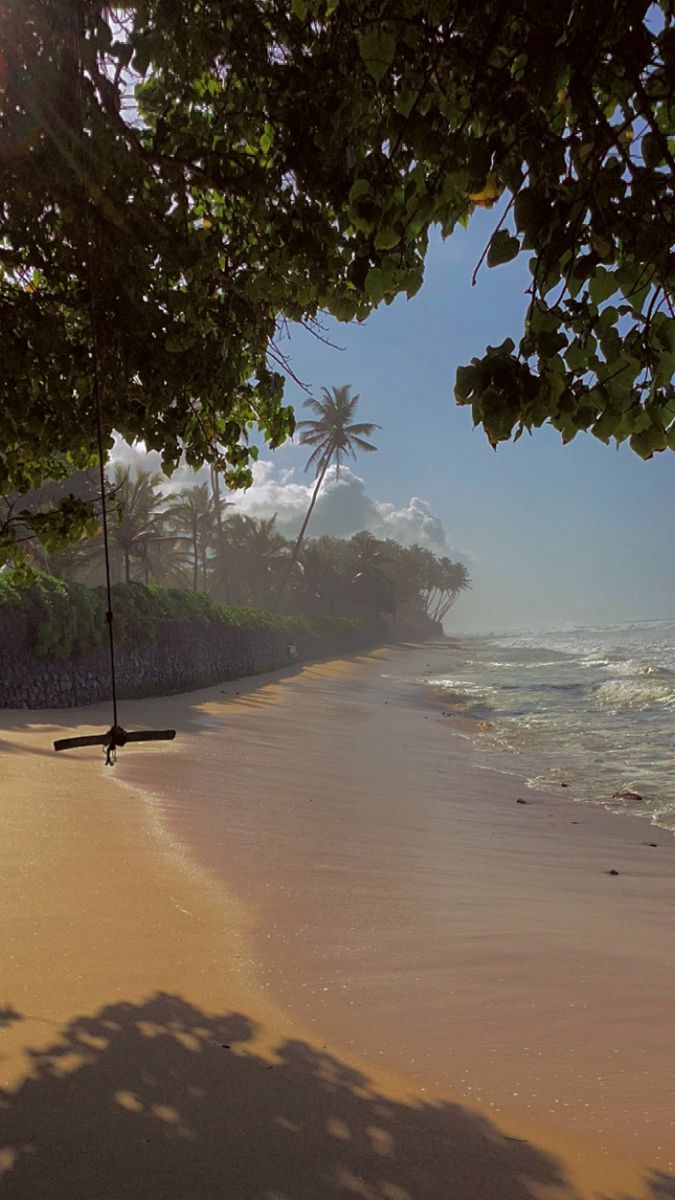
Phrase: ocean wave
[637,668]
[589,709]
[653,641]
[635,691]
[460,687]
[551,662]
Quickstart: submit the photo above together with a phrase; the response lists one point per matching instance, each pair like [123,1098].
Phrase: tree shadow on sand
[8,1015]
[161,1100]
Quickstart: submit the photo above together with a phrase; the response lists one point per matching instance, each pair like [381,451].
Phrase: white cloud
[139,459]
[414,523]
[343,507]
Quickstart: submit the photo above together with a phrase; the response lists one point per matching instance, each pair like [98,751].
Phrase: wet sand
[312,949]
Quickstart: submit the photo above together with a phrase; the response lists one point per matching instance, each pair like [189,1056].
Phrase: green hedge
[63,620]
[67,620]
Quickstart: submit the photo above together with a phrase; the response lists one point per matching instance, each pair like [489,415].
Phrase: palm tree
[258,553]
[334,436]
[139,515]
[192,517]
[318,575]
[416,567]
[454,578]
[221,564]
[372,566]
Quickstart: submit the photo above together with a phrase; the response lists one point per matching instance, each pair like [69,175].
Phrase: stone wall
[185,655]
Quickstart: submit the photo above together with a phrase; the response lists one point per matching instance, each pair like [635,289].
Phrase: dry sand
[312,950]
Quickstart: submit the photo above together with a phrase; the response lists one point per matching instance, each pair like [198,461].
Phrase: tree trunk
[195,564]
[215,490]
[305,523]
[127,567]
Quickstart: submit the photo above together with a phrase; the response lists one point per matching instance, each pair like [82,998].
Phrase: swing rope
[116,736]
[96,375]
[101,470]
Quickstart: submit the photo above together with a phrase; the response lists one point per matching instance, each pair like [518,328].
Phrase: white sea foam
[634,692]
[591,708]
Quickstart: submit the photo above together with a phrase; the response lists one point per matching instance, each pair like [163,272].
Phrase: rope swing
[116,736]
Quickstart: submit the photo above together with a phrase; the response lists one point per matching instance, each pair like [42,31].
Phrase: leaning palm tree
[333,436]
[454,578]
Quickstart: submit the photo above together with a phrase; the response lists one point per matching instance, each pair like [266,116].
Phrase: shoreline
[591,709]
[199,905]
[494,760]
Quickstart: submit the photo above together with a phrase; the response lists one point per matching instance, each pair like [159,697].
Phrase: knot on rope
[117,736]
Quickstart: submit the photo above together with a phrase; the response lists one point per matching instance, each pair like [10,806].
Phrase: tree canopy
[238,166]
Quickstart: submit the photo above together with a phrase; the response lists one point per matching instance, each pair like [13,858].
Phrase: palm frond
[364,427]
[317,458]
[363,445]
[309,437]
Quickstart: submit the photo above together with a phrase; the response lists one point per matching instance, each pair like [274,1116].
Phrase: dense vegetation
[199,174]
[65,619]
[190,540]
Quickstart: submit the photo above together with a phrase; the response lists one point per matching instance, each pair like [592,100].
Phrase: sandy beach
[314,949]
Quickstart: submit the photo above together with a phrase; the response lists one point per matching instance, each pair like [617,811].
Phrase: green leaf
[652,152]
[663,331]
[555,385]
[549,343]
[602,285]
[665,369]
[532,213]
[634,282]
[576,358]
[376,284]
[387,239]
[361,187]
[503,248]
[465,381]
[608,316]
[648,441]
[266,138]
[406,101]
[377,48]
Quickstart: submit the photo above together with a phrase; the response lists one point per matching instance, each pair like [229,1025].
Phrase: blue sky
[555,534]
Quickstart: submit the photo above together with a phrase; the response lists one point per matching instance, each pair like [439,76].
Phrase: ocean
[591,709]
